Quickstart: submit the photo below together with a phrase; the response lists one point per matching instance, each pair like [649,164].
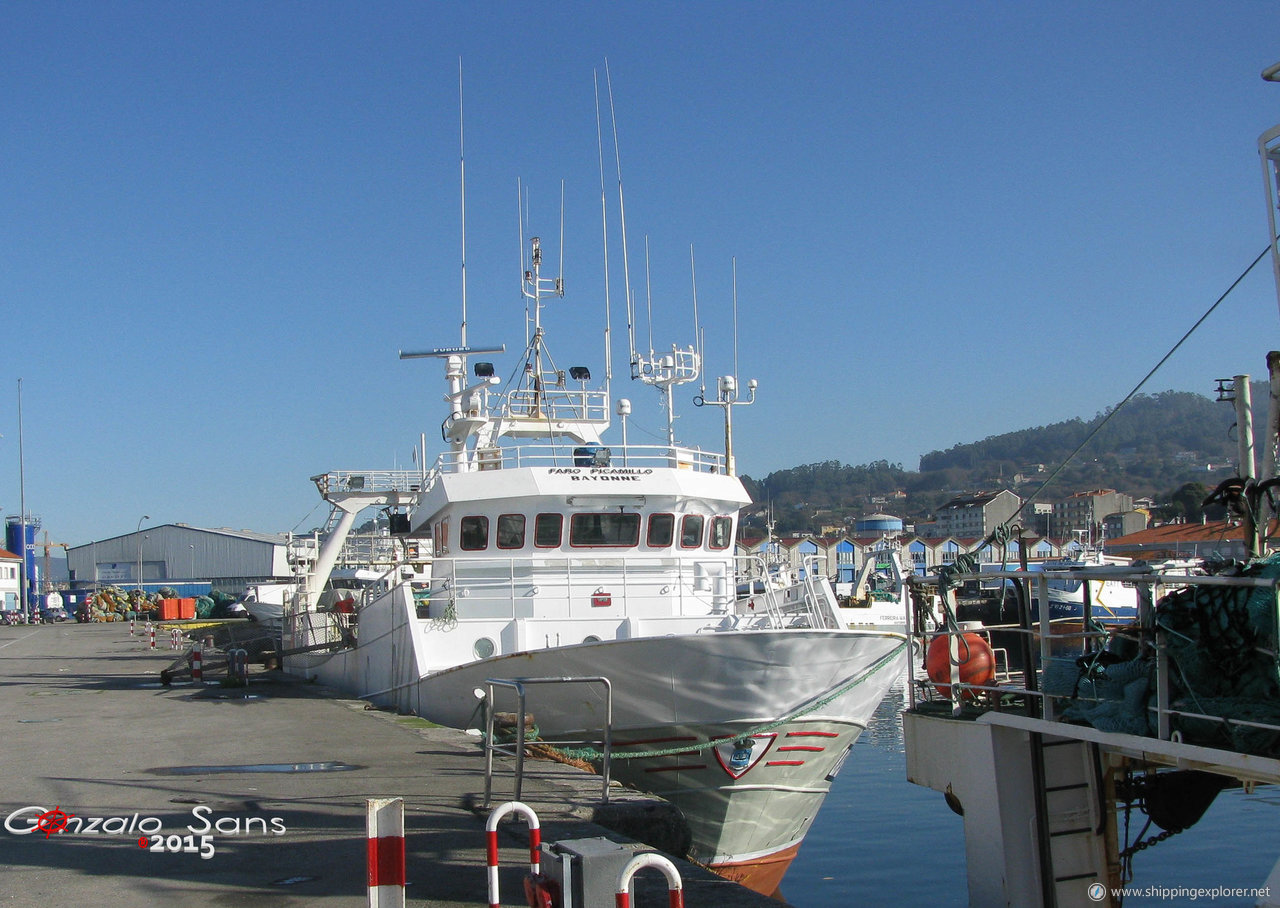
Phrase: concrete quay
[277,775]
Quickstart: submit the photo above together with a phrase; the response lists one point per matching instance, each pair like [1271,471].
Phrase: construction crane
[48,581]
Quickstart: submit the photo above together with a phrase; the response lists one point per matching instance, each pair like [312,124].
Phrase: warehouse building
[190,559]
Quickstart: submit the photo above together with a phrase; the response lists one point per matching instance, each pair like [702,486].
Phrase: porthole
[484,648]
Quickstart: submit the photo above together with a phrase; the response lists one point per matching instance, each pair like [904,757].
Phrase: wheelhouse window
[662,530]
[721,533]
[547,529]
[473,533]
[691,531]
[511,531]
[607,530]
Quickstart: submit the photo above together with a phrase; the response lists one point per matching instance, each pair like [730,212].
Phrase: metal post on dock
[384,822]
[238,666]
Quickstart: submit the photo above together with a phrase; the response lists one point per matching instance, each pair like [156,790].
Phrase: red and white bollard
[384,819]
[197,664]
[675,888]
[491,832]
[131,627]
[151,630]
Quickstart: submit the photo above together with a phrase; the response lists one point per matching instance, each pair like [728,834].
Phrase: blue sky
[222,220]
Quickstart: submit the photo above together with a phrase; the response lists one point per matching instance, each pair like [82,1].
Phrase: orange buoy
[977,663]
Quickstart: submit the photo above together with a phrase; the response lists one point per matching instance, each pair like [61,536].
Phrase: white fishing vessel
[882,596]
[552,554]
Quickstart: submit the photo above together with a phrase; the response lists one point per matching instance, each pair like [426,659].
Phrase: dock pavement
[276,774]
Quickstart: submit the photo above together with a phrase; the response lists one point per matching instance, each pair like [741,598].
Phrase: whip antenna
[622,216]
[697,326]
[604,232]
[462,168]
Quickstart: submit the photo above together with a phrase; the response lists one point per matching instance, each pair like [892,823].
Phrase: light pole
[192,547]
[24,580]
[138,533]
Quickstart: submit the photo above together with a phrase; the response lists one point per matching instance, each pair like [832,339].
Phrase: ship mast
[1269,154]
[727,395]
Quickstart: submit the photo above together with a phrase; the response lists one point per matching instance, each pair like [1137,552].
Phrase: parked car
[54,613]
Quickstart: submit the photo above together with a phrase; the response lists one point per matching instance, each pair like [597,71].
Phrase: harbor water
[879,839]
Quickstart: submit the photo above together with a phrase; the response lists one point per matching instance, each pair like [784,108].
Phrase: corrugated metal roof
[278,538]
[251,535]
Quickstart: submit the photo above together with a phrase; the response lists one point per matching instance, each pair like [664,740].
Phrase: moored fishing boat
[1113,738]
[549,554]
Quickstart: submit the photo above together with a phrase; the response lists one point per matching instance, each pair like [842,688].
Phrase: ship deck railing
[500,588]
[508,457]
[1017,695]
[582,456]
[373,481]
[550,404]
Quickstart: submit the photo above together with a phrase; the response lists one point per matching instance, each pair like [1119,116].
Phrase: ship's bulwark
[681,706]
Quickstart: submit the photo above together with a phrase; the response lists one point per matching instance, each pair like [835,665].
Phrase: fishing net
[1221,645]
[1222,652]
[1111,696]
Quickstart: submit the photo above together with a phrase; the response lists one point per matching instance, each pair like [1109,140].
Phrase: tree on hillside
[1188,503]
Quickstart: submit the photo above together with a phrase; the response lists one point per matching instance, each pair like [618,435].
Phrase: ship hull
[791,703]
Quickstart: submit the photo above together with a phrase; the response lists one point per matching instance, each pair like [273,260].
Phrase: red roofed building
[10,581]
[1186,540]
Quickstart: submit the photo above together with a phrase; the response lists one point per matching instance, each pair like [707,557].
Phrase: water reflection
[877,831]
[879,839]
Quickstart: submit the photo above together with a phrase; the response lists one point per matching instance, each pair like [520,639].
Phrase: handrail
[1152,638]
[557,405]
[518,685]
[489,584]
[373,481]
[814,595]
[628,457]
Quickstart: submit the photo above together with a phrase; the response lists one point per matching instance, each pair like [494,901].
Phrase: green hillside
[1151,448]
